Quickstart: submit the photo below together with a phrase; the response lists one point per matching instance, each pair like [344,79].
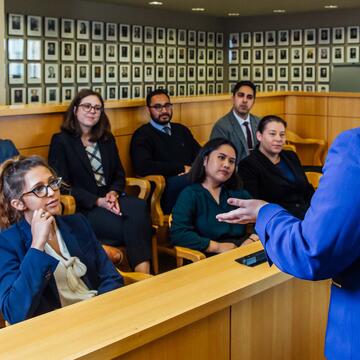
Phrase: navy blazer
[27,284]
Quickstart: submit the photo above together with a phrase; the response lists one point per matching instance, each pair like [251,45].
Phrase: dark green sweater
[194,222]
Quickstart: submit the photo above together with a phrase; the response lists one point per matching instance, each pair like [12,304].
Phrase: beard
[162,122]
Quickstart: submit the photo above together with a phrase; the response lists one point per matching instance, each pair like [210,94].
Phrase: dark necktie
[166,130]
[248,136]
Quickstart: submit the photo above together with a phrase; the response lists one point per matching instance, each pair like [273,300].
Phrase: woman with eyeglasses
[85,154]
[46,261]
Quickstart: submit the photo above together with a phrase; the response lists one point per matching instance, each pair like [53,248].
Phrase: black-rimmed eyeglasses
[159,107]
[42,190]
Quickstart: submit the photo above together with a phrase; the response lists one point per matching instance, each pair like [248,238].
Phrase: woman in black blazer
[85,154]
[273,174]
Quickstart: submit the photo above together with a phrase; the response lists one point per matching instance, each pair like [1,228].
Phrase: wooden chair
[313,178]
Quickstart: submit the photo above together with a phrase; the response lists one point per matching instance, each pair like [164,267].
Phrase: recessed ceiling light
[330,6]
[279,11]
[155,3]
[233,14]
[198,9]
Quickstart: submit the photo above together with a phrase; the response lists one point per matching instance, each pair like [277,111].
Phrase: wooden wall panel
[269,106]
[339,124]
[344,107]
[307,105]
[201,133]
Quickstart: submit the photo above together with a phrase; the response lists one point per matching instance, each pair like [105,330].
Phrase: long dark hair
[12,182]
[100,131]
[197,172]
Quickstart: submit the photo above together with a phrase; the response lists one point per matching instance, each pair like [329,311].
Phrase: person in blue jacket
[46,261]
[7,150]
[326,244]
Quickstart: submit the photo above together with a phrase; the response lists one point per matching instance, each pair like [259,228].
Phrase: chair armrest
[189,254]
[133,277]
[313,178]
[142,184]
[68,203]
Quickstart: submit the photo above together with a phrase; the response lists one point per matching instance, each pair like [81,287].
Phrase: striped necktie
[166,130]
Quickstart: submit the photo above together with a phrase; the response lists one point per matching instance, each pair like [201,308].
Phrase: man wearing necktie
[239,126]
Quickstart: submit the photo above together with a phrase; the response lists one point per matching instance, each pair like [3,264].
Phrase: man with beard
[163,148]
[239,126]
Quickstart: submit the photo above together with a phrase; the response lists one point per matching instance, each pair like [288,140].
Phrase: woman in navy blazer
[29,209]
[85,154]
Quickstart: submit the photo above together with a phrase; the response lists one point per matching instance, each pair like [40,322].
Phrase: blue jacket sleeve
[326,242]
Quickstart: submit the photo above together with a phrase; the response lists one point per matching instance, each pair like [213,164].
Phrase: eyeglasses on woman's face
[42,190]
[87,107]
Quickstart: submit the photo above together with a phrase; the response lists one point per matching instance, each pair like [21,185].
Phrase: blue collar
[158,126]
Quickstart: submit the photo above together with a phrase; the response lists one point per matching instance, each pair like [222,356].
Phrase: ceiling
[243,7]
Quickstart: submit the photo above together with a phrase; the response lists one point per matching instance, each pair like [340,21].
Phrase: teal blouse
[194,218]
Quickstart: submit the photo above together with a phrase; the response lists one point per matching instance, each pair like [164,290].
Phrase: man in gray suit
[239,126]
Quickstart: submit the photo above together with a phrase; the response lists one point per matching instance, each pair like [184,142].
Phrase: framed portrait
[245,39]
[112,92]
[338,35]
[111,32]
[352,54]
[309,87]
[323,55]
[191,89]
[296,55]
[82,73]
[258,73]
[99,89]
[136,33]
[296,37]
[160,73]
[111,73]
[67,93]
[219,56]
[34,95]
[234,41]
[181,73]
[15,49]
[324,36]
[353,34]
[270,56]
[83,30]
[282,73]
[171,36]
[210,56]
[124,33]
[52,95]
[51,27]
[191,73]
[270,87]
[245,73]
[309,36]
[97,30]
[233,56]
[181,55]
[97,52]
[148,54]
[111,53]
[137,73]
[283,56]
[67,51]
[97,73]
[181,90]
[283,87]
[18,96]
[192,37]
[323,73]
[283,37]
[270,73]
[309,55]
[34,73]
[323,88]
[34,25]
[150,88]
[210,73]
[51,73]
[296,73]
[201,56]
[338,54]
[160,35]
[219,88]
[82,51]
[149,73]
[219,75]
[137,54]
[245,56]
[210,39]
[171,73]
[33,49]
[295,87]
[210,89]
[171,89]
[219,40]
[124,53]
[258,56]
[51,50]
[16,24]
[16,73]
[201,40]
[124,73]
[231,86]
[309,73]
[67,73]
[233,73]
[82,87]
[270,38]
[124,92]
[171,55]
[136,92]
[181,40]
[149,34]
[258,38]
[201,89]
[67,28]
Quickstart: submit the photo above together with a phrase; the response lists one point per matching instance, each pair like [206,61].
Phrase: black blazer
[263,180]
[68,157]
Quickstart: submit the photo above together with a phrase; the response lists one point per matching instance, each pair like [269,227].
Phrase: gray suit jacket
[229,128]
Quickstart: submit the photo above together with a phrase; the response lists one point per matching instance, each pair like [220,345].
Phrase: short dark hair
[248,83]
[155,92]
[100,131]
[268,119]
[197,172]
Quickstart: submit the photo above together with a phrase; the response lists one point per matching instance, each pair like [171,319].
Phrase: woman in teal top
[214,180]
